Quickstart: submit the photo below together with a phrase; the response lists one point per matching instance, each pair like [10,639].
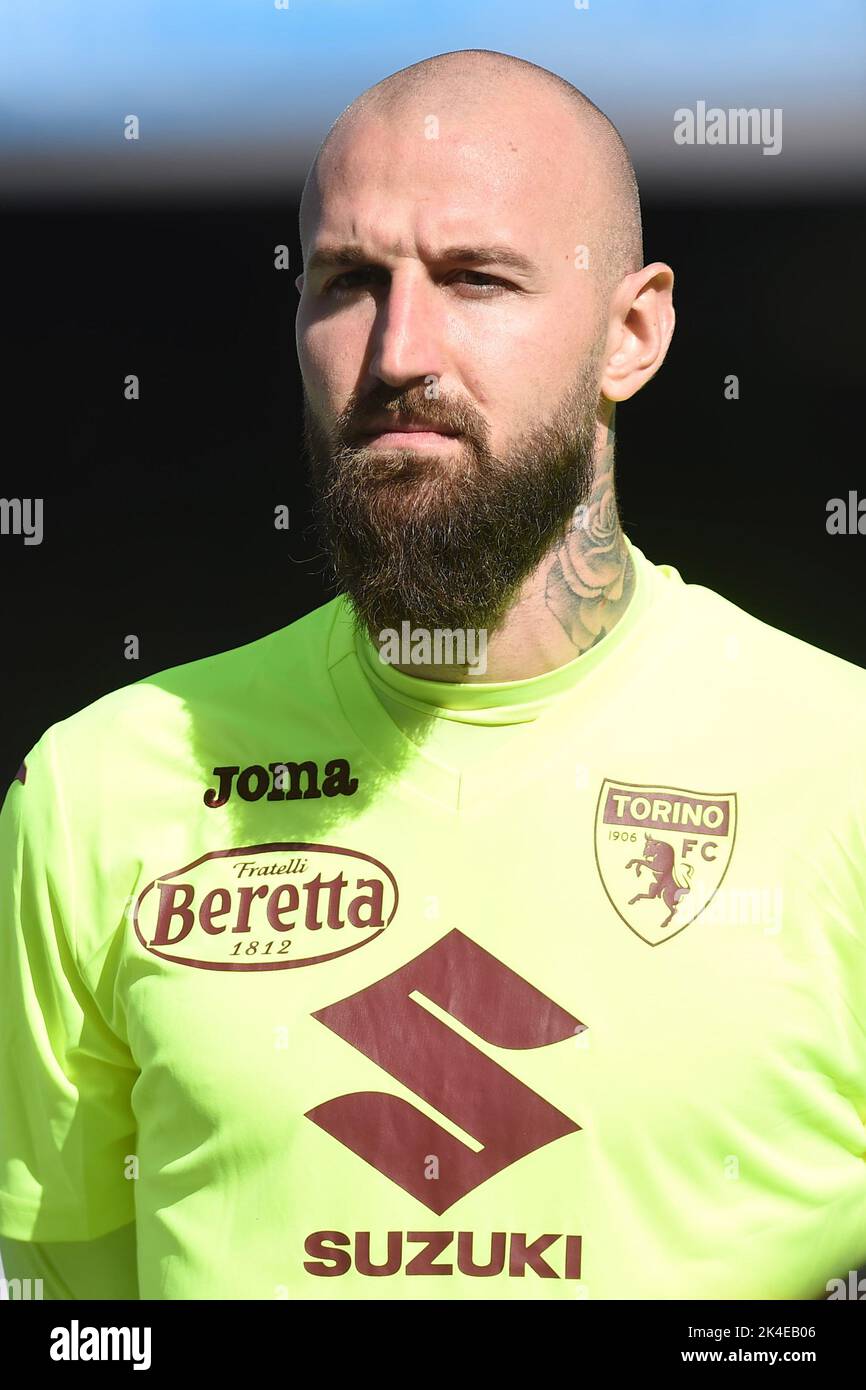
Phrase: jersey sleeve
[66,1122]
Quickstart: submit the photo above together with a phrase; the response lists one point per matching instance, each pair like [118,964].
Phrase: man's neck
[577,594]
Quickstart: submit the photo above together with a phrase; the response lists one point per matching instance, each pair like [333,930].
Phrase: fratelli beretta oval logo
[266,907]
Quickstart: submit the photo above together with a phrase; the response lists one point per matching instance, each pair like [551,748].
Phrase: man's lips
[392,426]
[415,440]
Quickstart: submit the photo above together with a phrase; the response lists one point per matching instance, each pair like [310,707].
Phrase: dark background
[158,513]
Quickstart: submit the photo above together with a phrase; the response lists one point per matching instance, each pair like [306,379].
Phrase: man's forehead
[463,193]
[501,136]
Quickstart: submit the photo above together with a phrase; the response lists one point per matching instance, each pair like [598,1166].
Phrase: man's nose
[408,335]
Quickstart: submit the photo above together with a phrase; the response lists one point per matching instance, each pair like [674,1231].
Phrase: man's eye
[353,279]
[339,285]
[492,288]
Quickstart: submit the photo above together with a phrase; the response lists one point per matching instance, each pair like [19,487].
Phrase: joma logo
[281,782]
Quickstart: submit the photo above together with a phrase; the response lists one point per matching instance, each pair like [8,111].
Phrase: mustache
[431,410]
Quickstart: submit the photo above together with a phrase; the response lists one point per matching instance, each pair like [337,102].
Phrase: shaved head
[453,86]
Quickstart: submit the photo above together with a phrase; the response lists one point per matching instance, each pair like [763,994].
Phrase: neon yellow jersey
[551,989]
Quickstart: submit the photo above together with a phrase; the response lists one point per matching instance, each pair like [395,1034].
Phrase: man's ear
[299,283]
[641,326]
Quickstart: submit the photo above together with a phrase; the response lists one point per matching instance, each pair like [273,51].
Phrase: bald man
[498,930]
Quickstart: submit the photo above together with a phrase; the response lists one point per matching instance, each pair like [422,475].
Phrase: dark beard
[446,541]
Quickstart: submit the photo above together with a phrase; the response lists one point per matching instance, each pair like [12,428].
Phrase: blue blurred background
[234,95]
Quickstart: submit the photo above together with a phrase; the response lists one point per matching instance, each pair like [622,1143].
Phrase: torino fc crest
[662,853]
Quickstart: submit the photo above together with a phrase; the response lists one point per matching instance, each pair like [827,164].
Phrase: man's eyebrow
[327,258]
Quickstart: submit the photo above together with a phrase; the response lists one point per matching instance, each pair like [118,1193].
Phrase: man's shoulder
[277,675]
[775,667]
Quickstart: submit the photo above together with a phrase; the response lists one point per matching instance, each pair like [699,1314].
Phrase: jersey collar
[537,708]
